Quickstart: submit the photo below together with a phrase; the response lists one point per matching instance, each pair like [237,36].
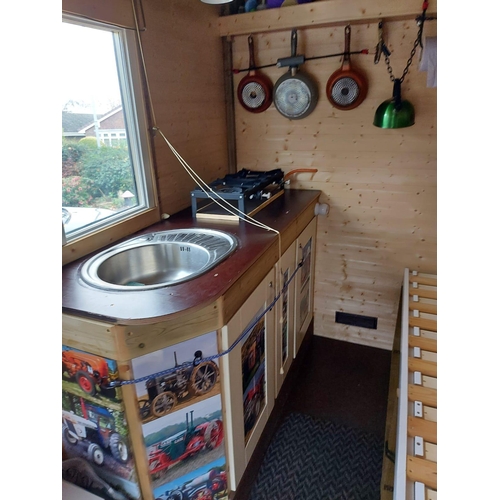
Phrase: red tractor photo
[209,486]
[89,371]
[184,444]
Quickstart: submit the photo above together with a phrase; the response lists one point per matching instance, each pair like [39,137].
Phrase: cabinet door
[248,376]
[285,315]
[304,283]
[178,398]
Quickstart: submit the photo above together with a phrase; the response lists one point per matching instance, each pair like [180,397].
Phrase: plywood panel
[184,59]
[380,184]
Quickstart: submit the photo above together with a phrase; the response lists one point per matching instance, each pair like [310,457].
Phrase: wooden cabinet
[258,345]
[248,376]
[246,329]
[255,369]
[294,309]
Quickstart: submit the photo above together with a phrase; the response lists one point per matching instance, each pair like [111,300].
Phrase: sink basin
[159,259]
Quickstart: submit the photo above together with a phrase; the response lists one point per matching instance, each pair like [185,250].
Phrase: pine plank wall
[380,184]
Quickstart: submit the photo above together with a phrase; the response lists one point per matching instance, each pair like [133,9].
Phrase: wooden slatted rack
[415,474]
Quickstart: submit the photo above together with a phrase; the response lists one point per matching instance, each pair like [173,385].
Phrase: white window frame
[86,240]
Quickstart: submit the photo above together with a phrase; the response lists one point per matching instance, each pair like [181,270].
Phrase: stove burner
[222,189]
[242,186]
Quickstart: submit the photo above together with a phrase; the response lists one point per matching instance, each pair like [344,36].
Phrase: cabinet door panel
[304,283]
[248,381]
[285,315]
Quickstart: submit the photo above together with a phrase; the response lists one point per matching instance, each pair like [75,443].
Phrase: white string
[199,181]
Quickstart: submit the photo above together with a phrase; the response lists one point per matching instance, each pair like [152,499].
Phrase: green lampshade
[395,113]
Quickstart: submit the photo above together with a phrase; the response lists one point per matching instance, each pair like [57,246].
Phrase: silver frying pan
[295,95]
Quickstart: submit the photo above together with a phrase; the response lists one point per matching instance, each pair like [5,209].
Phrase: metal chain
[417,42]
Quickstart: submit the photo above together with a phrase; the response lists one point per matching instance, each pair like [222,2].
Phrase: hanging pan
[295,94]
[346,88]
[255,90]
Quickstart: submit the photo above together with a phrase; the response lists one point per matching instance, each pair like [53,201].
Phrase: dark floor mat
[311,459]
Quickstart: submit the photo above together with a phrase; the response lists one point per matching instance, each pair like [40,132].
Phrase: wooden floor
[339,381]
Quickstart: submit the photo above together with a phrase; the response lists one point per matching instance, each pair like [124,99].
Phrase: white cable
[209,191]
[196,178]
[229,208]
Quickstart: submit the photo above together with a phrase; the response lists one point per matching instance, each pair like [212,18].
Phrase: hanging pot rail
[284,61]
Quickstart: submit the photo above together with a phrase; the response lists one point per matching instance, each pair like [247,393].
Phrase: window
[106,167]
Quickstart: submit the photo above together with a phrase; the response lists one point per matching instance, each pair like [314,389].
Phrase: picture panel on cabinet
[304,285]
[96,444]
[249,372]
[178,399]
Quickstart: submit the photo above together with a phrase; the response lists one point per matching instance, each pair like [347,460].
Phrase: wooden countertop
[223,288]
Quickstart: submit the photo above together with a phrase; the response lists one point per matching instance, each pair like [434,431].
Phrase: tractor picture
[254,401]
[186,381]
[185,444]
[209,486]
[89,371]
[97,430]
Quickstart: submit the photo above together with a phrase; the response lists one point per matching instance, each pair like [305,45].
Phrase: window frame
[126,222]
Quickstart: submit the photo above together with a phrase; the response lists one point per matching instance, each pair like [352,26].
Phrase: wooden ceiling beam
[322,13]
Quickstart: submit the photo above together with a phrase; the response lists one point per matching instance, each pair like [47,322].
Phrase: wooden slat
[425,471]
[426,275]
[135,430]
[429,356]
[428,334]
[424,428]
[428,324]
[426,300]
[430,494]
[420,365]
[430,382]
[424,280]
[430,452]
[423,343]
[430,413]
[426,293]
[423,394]
[424,315]
[423,307]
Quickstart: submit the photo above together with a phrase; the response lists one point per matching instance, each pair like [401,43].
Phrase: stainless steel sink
[156,260]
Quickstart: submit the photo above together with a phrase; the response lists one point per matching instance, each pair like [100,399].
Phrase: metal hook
[380,44]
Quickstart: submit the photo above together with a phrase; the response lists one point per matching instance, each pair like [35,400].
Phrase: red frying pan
[255,90]
[346,88]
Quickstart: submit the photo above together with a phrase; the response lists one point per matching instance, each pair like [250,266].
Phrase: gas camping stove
[247,190]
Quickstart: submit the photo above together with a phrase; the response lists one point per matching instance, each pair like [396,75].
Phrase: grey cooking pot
[295,95]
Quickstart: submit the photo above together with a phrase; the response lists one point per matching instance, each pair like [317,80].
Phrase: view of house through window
[99,163]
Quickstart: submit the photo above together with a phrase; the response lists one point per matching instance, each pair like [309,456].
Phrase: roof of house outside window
[82,124]
[74,122]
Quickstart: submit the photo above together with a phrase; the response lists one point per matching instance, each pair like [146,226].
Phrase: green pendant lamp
[395,113]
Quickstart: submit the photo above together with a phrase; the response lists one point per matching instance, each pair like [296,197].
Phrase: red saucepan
[255,90]
[346,88]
